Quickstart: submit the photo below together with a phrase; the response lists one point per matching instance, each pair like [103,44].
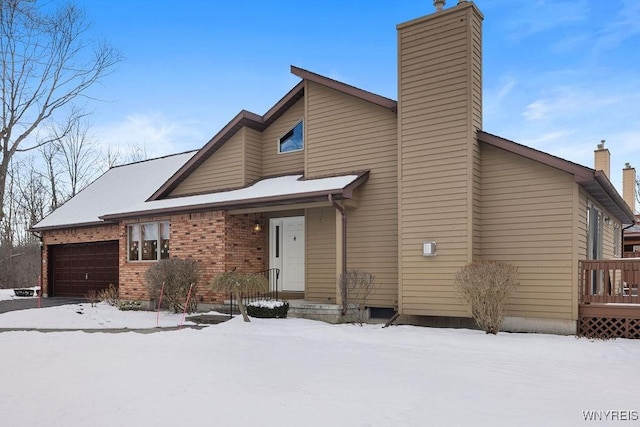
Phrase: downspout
[343,213]
[622,237]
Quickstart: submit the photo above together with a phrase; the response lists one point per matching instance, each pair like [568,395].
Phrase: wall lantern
[257,226]
[429,248]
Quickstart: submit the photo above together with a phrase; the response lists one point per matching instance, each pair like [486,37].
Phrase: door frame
[277,251]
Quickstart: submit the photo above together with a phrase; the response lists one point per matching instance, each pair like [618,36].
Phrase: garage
[76,269]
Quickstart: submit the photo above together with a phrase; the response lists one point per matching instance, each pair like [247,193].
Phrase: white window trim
[304,142]
[159,240]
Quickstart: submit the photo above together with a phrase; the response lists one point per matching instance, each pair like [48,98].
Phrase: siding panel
[223,170]
[527,221]
[346,134]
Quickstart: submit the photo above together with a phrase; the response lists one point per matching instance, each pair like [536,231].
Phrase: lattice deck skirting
[608,327]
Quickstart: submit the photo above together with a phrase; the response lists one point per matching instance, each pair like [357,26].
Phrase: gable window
[293,140]
[148,241]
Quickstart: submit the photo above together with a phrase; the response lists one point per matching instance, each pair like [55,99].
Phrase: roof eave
[237,204]
[594,182]
[609,198]
[345,88]
[345,192]
[74,225]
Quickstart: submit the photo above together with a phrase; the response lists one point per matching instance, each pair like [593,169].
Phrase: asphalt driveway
[27,303]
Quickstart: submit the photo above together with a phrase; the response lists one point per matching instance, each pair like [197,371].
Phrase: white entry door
[286,251]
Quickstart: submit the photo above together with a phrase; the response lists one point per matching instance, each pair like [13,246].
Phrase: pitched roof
[594,182]
[116,190]
[257,122]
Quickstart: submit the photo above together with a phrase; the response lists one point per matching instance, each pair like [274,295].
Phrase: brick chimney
[602,159]
[629,186]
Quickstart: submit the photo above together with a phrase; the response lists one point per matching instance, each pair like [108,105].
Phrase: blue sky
[559,75]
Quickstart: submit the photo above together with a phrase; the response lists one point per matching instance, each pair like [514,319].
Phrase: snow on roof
[279,187]
[114,191]
[125,189]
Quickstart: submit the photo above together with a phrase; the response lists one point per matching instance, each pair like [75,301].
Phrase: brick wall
[200,236]
[216,240]
[245,248]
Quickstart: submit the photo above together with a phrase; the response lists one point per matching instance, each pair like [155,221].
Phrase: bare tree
[136,153]
[26,201]
[47,63]
[49,155]
[74,152]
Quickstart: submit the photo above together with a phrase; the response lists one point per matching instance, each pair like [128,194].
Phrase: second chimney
[629,186]
[602,159]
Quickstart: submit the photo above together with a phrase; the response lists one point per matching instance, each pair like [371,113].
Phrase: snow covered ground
[294,372]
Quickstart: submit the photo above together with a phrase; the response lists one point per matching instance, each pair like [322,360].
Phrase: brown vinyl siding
[223,170]
[439,72]
[527,221]
[607,230]
[274,163]
[346,134]
[321,255]
[252,155]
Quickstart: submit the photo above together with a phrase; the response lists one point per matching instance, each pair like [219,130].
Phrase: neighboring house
[339,178]
[632,240]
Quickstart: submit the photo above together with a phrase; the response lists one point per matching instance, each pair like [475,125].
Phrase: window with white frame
[292,140]
[148,241]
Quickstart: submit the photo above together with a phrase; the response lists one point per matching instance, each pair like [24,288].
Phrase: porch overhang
[267,193]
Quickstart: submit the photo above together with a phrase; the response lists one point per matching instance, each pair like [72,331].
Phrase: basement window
[292,140]
[148,241]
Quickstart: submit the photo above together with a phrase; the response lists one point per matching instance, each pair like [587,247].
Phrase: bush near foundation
[268,309]
[130,306]
[486,287]
[177,275]
[111,295]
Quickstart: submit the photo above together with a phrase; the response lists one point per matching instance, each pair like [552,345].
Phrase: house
[631,237]
[632,240]
[333,177]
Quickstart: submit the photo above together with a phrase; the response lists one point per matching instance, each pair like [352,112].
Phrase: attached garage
[75,269]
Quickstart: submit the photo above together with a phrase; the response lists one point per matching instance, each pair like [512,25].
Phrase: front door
[287,250]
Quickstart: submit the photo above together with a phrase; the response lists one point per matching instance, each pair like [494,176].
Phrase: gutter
[343,213]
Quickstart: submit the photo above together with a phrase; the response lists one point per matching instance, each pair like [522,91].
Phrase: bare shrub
[92,296]
[236,283]
[485,287]
[355,288]
[111,295]
[177,275]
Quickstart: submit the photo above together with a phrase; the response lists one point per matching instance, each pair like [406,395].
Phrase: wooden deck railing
[610,281]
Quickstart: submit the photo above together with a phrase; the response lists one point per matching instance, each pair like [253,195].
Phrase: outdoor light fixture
[257,226]
[429,248]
